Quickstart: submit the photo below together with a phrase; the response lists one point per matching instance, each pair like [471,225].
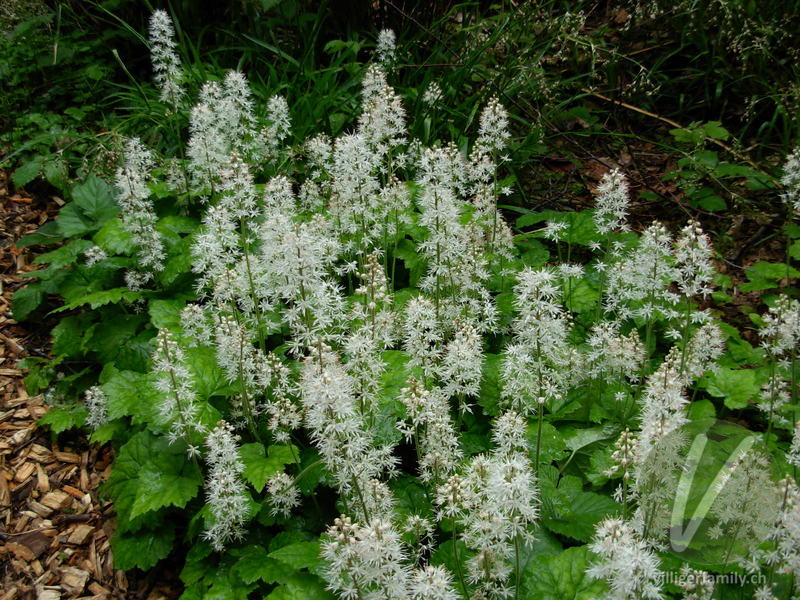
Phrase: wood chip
[40,509]
[39,453]
[20,551]
[5,492]
[47,593]
[67,457]
[35,541]
[73,580]
[57,500]
[24,472]
[98,589]
[42,481]
[80,534]
[74,492]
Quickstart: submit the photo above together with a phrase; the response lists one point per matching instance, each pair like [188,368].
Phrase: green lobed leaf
[96,199]
[132,394]
[63,419]
[299,555]
[26,300]
[69,336]
[27,172]
[561,576]
[150,474]
[254,564]
[114,239]
[101,298]
[737,387]
[142,549]
[301,586]
[65,255]
[260,466]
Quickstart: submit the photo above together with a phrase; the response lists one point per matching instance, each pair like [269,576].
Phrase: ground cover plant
[343,364]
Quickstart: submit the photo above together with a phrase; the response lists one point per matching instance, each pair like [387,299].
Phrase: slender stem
[539,424]
[459,571]
[517,570]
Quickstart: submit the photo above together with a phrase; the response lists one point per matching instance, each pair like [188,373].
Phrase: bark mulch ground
[55,525]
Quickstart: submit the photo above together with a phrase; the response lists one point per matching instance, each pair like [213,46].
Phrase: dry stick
[671,122]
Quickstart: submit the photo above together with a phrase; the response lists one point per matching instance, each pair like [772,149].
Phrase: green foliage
[553,577]
[107,328]
[260,465]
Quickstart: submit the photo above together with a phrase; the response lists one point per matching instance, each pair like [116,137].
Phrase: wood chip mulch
[55,525]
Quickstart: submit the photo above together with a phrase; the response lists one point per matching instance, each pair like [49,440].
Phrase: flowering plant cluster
[335,369]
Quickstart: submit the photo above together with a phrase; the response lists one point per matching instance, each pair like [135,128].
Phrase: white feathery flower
[538,363]
[137,280]
[222,122]
[94,255]
[696,584]
[208,147]
[614,355]
[386,49]
[293,268]
[664,399]
[498,504]
[215,249]
[279,125]
[195,322]
[626,563]
[283,494]
[611,199]
[97,404]
[456,264]
[493,137]
[428,414]
[638,279]
[319,150]
[493,134]
[238,194]
[285,414]
[509,432]
[366,561]
[166,64]
[694,270]
[178,406]
[278,196]
[422,336]
[244,364]
[432,583]
[226,491]
[355,191]
[748,504]
[462,363]
[346,445]
[236,113]
[138,213]
[382,121]
[553,230]
[433,94]
[780,333]
[791,181]
[374,312]
[784,555]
